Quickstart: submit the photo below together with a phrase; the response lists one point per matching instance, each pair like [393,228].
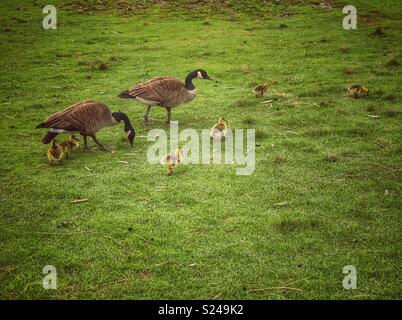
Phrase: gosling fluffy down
[261,89]
[218,131]
[358,90]
[171,161]
[71,144]
[55,153]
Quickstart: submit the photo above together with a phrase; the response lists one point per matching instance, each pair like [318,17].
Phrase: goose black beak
[208,78]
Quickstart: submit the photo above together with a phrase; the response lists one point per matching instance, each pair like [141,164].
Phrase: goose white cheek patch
[199,75]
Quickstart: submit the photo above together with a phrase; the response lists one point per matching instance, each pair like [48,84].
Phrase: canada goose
[167,92]
[86,118]
[172,160]
[261,89]
[357,90]
[218,131]
[71,144]
[55,153]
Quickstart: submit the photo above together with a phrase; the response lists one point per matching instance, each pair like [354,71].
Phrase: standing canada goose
[172,160]
[167,92]
[218,131]
[261,89]
[55,153]
[71,144]
[357,90]
[86,118]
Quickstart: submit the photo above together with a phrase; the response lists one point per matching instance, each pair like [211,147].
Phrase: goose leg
[85,143]
[146,114]
[98,143]
[169,115]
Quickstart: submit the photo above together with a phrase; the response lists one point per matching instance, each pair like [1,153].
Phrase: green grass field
[326,191]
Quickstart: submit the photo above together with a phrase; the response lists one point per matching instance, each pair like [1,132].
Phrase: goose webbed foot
[109,149]
[106,149]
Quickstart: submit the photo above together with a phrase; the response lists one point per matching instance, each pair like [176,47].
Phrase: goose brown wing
[86,116]
[162,90]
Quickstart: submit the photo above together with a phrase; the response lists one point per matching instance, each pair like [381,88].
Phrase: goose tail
[49,137]
[125,95]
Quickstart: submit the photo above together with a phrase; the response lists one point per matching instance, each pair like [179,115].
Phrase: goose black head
[128,128]
[202,74]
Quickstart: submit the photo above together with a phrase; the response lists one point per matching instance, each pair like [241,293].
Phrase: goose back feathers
[86,118]
[166,92]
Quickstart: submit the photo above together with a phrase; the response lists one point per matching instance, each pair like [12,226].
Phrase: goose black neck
[189,80]
[120,116]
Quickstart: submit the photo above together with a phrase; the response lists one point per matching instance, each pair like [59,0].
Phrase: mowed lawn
[326,191]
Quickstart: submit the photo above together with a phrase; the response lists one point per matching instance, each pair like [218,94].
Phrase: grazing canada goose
[218,131]
[167,92]
[71,144]
[86,118]
[358,90]
[261,89]
[55,153]
[172,160]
